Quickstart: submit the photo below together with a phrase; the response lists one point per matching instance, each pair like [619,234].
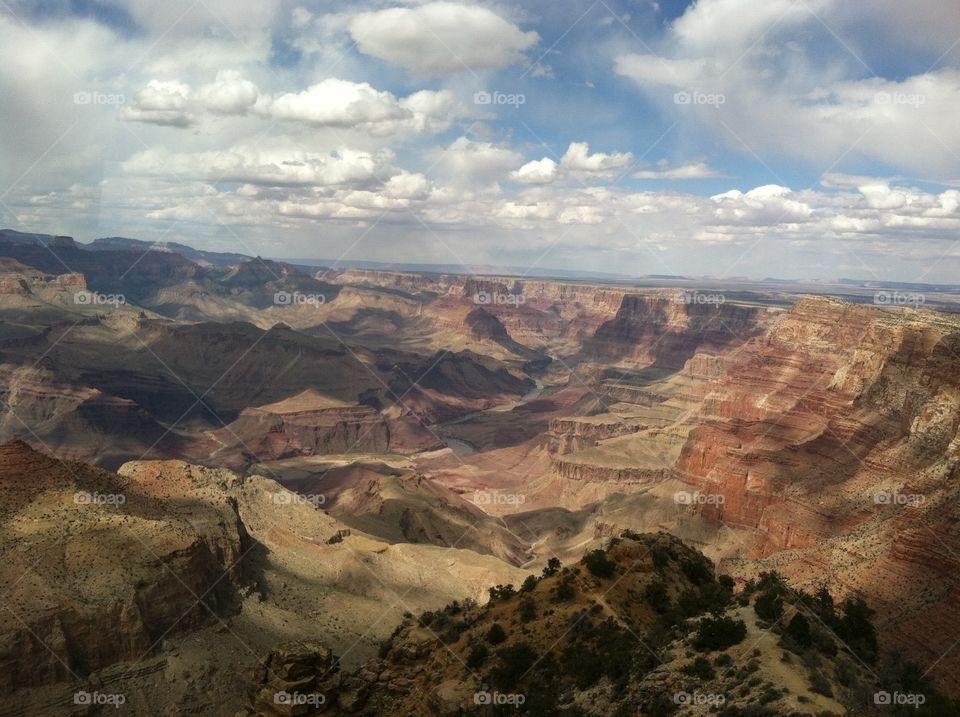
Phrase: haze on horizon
[795,139]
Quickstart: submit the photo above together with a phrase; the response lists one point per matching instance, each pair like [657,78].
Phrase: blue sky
[790,138]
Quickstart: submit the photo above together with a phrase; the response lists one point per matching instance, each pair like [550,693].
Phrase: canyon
[208,455]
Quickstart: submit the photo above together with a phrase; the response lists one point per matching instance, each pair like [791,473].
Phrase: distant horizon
[515,271]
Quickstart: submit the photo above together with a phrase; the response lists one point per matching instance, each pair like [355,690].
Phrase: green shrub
[552,568]
[597,563]
[719,633]
[496,634]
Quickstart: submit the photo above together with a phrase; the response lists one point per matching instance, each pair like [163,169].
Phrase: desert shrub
[598,564]
[856,628]
[529,584]
[501,592]
[564,590]
[661,556]
[798,630]
[514,662]
[701,668]
[552,568]
[527,610]
[496,634]
[655,593]
[769,605]
[723,660]
[719,633]
[697,571]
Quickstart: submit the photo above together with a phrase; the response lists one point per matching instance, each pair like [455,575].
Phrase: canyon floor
[217,474]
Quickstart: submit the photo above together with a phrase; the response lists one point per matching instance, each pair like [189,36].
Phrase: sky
[796,139]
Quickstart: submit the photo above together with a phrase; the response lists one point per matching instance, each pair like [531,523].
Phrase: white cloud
[781,76]
[229,94]
[161,102]
[578,159]
[263,164]
[538,171]
[332,102]
[337,103]
[466,159]
[407,186]
[441,37]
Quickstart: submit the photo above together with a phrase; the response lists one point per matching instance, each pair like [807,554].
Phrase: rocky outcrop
[664,331]
[295,678]
[615,475]
[263,434]
[568,435]
[834,437]
[100,576]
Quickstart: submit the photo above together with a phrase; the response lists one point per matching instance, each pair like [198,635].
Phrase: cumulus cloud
[441,37]
[329,103]
[538,171]
[577,158]
[337,103]
[229,94]
[760,78]
[161,102]
[465,158]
